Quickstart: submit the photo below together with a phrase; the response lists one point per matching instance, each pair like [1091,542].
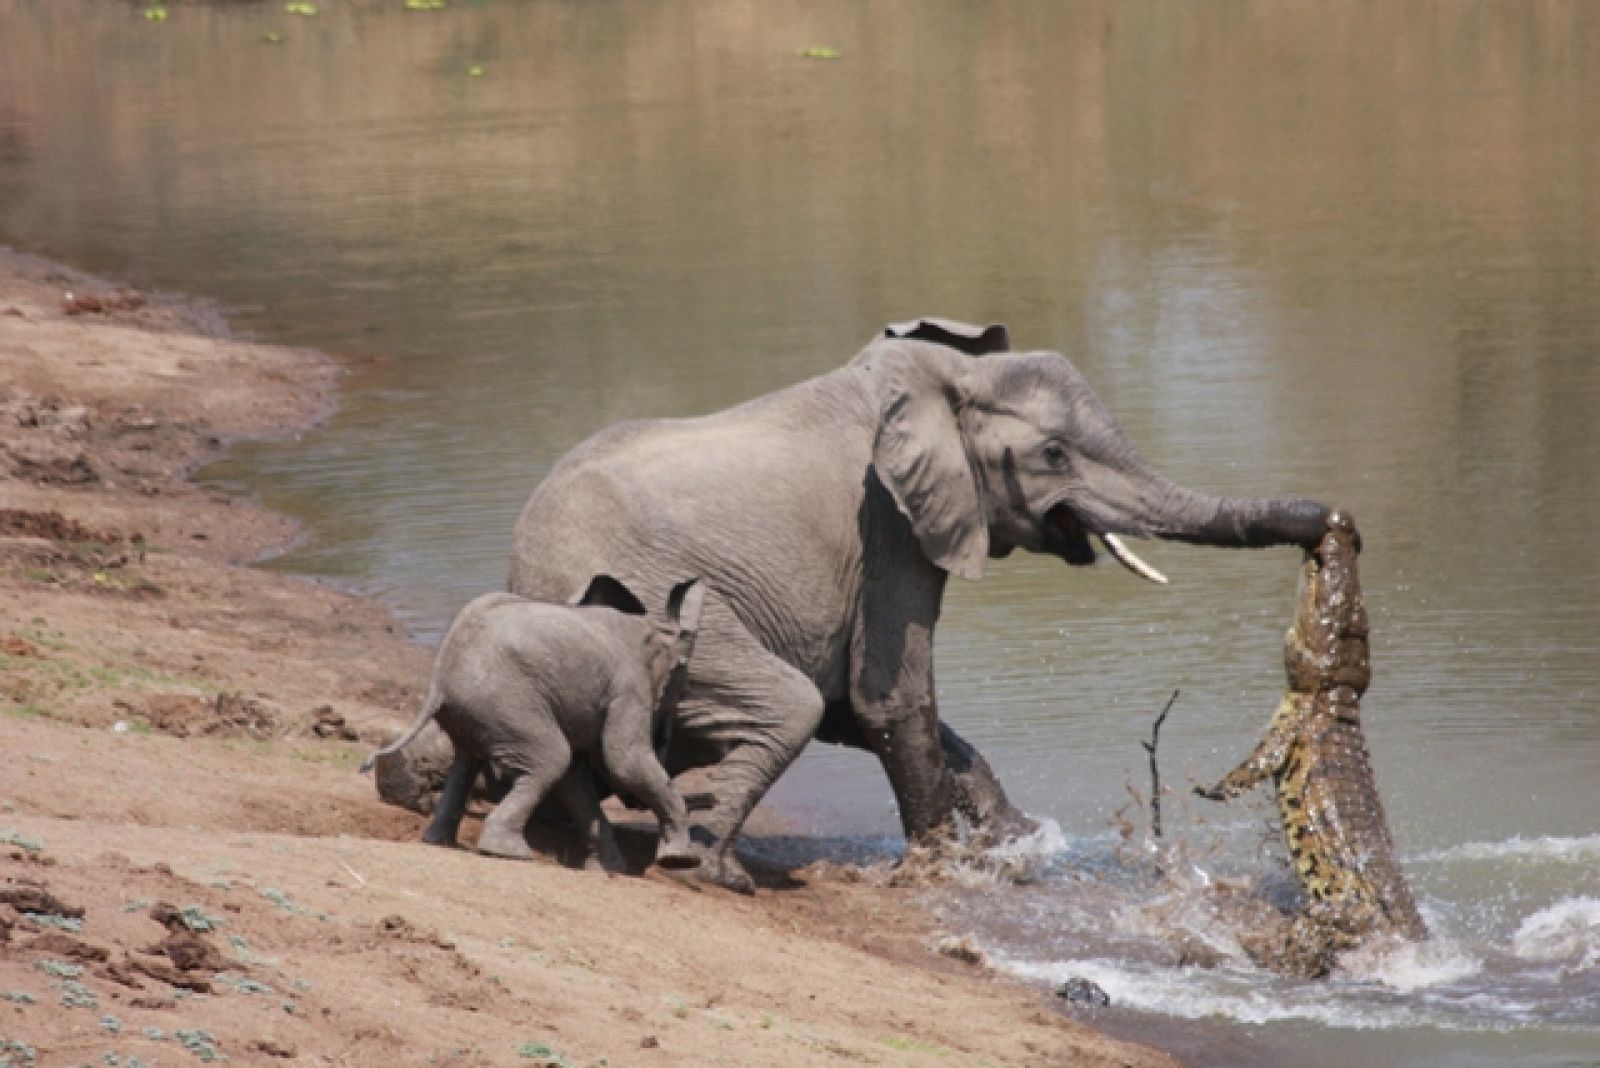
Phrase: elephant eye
[1055,454]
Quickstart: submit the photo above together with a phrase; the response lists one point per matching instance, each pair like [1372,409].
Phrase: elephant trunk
[1123,494]
[1179,514]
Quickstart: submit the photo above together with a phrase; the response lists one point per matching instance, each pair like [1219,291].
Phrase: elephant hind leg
[762,712]
[503,833]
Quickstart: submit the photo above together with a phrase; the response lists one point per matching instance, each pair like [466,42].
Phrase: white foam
[1583,850]
[1567,933]
[1195,994]
[1410,966]
[1017,860]
[1044,844]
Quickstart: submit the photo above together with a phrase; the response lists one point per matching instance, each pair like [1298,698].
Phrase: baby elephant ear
[608,592]
[963,337]
[684,604]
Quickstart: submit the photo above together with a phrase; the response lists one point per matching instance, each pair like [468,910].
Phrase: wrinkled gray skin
[825,519]
[524,687]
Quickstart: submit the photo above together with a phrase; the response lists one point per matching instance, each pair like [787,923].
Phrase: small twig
[1155,769]
[353,873]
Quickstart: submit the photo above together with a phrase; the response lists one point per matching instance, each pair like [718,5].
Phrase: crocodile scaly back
[1327,658]
[1316,754]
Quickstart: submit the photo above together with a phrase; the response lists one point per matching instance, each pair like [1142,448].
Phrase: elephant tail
[430,708]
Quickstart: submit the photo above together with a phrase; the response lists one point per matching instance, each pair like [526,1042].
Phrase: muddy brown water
[1351,252]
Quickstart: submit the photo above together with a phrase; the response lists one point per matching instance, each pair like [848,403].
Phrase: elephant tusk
[1127,559]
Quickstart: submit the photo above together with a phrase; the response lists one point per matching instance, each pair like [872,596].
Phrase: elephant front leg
[977,794]
[633,766]
[973,789]
[934,772]
[908,745]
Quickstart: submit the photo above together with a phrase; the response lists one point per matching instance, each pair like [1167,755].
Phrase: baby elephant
[522,687]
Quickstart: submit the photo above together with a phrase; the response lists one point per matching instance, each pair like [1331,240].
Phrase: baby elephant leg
[532,778]
[632,762]
[452,801]
[577,792]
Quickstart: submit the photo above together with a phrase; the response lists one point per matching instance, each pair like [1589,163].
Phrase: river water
[1350,251]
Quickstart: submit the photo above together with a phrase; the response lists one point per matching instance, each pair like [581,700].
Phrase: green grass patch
[25,710]
[198,919]
[340,757]
[907,1044]
[38,634]
[543,1055]
[12,836]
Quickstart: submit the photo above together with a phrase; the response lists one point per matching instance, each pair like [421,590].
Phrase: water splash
[1407,967]
[1027,859]
[1567,933]
[1237,994]
[1162,928]
[1551,848]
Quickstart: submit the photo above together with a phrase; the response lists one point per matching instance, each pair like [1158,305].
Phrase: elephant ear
[921,459]
[608,592]
[683,612]
[684,604]
[963,337]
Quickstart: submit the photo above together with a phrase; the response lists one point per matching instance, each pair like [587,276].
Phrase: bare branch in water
[1155,769]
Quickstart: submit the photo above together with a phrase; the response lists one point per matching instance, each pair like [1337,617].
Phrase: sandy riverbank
[178,729]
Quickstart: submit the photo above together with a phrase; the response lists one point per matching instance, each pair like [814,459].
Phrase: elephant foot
[976,793]
[607,858]
[611,866]
[712,867]
[677,855]
[495,843]
[439,838]
[724,870]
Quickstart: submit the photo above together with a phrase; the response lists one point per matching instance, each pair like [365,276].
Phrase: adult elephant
[825,519]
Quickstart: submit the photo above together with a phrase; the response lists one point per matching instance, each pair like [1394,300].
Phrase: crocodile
[1316,755]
